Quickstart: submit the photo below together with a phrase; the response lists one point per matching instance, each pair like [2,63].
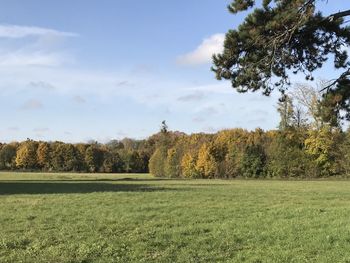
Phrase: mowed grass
[137,218]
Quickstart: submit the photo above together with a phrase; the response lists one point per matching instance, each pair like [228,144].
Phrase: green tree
[283,36]
[172,163]
[134,162]
[67,158]
[233,161]
[344,154]
[112,163]
[157,162]
[93,158]
[286,156]
[253,161]
[144,156]
[8,156]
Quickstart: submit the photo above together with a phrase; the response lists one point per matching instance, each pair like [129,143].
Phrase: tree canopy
[281,37]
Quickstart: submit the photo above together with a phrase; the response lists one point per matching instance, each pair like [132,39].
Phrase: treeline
[125,156]
[309,143]
[291,153]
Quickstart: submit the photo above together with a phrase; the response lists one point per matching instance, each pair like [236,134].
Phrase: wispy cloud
[198,119]
[197,96]
[41,85]
[13,129]
[40,130]
[16,31]
[23,58]
[209,110]
[33,46]
[79,99]
[204,52]
[32,104]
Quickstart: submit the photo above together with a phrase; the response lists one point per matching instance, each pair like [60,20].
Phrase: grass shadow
[72,187]
[94,180]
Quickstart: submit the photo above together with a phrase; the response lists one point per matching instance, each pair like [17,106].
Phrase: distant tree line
[308,143]
[124,156]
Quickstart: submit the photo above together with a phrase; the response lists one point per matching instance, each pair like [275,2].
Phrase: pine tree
[283,36]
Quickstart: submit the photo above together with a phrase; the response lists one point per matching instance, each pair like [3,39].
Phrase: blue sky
[81,70]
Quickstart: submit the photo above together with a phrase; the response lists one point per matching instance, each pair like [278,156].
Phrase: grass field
[136,218]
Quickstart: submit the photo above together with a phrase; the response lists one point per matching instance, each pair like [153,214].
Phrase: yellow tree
[26,155]
[188,166]
[43,154]
[206,164]
[321,145]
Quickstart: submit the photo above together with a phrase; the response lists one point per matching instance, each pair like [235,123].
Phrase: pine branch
[342,76]
[338,15]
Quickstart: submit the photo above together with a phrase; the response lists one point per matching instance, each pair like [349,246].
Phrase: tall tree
[280,37]
[286,110]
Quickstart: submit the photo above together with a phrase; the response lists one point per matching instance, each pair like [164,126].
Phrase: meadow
[138,218]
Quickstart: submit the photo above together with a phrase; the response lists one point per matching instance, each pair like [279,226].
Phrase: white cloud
[34,71]
[19,59]
[203,53]
[33,46]
[15,31]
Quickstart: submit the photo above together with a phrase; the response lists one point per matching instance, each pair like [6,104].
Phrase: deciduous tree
[26,156]
[188,166]
[206,165]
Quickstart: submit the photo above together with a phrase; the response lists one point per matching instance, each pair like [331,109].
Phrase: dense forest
[125,156]
[308,143]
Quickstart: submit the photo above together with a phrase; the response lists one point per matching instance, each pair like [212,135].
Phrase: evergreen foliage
[280,37]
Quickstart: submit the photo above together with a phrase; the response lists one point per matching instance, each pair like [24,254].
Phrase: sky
[107,69]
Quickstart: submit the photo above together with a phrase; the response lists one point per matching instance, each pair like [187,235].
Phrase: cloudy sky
[107,69]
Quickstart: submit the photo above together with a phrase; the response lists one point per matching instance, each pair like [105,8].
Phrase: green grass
[136,218]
